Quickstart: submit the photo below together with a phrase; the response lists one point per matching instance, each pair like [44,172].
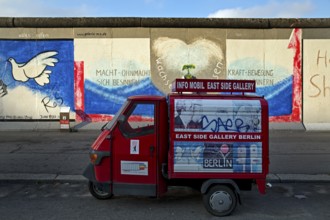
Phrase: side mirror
[121,119]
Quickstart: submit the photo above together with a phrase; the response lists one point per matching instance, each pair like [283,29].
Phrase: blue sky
[166,8]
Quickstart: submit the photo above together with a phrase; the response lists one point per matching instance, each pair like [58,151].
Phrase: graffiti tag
[48,103]
[236,125]
[162,74]
[319,81]
[218,70]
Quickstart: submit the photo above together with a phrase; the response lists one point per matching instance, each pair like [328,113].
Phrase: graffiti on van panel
[217,115]
[36,78]
[236,125]
[218,156]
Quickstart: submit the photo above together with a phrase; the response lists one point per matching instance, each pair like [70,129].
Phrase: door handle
[151,149]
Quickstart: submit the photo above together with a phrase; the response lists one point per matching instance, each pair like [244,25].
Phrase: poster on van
[226,157]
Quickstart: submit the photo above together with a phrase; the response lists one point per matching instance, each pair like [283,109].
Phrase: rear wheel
[98,190]
[220,200]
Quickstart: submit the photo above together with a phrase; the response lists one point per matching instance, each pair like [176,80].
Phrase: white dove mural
[35,68]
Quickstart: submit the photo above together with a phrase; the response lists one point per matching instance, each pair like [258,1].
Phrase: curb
[298,178]
[48,126]
[41,178]
[51,178]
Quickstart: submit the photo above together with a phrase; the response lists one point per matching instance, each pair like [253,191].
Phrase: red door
[134,151]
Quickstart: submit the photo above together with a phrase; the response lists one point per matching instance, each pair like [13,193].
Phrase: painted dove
[35,68]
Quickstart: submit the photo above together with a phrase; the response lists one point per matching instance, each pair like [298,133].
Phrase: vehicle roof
[147,98]
[200,95]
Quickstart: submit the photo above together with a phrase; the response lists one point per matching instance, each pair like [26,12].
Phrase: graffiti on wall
[275,65]
[94,76]
[36,79]
[3,89]
[174,57]
[120,68]
[316,81]
[276,70]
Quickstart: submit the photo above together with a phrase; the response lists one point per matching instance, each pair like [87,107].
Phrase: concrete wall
[92,65]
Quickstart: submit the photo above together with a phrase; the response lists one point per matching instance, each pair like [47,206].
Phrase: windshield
[110,124]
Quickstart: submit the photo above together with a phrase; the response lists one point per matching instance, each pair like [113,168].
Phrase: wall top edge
[72,22]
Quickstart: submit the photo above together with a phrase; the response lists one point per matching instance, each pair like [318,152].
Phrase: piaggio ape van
[204,135]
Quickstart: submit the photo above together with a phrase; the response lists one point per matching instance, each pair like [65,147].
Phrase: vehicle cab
[128,155]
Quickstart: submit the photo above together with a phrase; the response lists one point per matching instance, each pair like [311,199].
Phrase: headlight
[93,157]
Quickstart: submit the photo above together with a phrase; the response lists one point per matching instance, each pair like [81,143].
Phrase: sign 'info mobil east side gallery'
[206,85]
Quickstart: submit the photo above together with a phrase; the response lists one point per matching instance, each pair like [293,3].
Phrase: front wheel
[220,200]
[98,190]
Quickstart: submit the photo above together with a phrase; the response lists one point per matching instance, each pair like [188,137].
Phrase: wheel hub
[220,201]
[99,190]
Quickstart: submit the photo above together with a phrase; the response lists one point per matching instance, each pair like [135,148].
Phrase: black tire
[220,200]
[96,189]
